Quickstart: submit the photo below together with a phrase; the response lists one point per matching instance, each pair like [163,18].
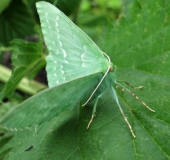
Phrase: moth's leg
[136,97]
[94,110]
[10,129]
[127,83]
[120,88]
[126,120]
[124,116]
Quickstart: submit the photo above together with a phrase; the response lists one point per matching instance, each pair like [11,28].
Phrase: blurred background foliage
[19,17]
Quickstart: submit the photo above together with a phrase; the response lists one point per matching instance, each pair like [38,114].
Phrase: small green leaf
[24,57]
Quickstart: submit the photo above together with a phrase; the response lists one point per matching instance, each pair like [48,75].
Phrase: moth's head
[112,68]
[112,73]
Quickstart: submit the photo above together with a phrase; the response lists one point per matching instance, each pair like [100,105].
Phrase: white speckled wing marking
[72,54]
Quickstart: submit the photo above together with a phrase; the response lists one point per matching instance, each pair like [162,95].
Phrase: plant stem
[25,85]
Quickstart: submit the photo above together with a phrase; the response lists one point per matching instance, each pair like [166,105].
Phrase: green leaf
[25,56]
[127,5]
[17,22]
[44,137]
[139,46]
[68,6]
[4,4]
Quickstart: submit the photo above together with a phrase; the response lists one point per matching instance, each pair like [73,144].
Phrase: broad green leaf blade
[49,103]
[147,47]
[71,53]
[142,57]
[42,137]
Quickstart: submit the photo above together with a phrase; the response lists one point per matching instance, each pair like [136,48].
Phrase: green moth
[73,55]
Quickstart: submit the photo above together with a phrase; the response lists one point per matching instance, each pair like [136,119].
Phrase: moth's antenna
[107,57]
[100,80]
